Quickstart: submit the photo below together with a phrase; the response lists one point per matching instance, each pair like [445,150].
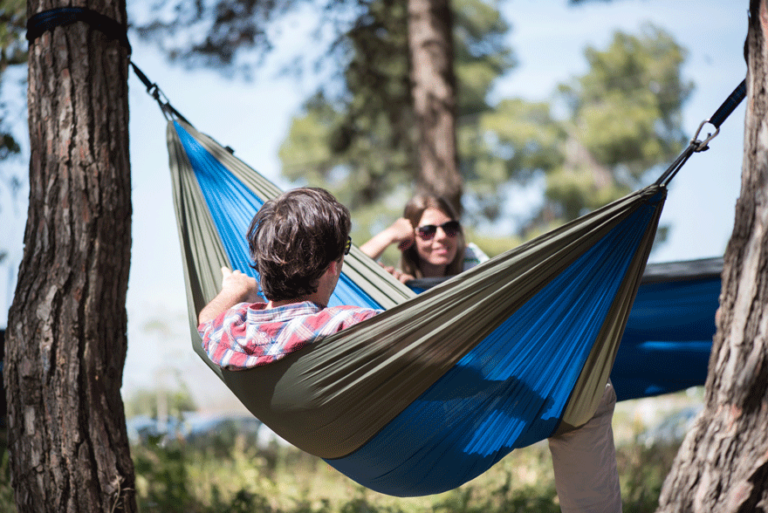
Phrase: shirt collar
[258,312]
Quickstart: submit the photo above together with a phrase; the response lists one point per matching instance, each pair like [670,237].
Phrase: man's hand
[239,285]
[236,288]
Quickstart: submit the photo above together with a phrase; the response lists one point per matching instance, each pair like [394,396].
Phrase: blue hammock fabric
[668,338]
[448,409]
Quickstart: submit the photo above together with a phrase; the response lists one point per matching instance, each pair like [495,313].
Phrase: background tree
[613,124]
[66,336]
[408,71]
[722,465]
[361,140]
[430,40]
[620,120]
[591,144]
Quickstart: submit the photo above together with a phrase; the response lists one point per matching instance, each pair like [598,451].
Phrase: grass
[279,479]
[235,475]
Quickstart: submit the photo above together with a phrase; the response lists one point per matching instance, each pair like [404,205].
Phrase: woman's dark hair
[294,238]
[410,263]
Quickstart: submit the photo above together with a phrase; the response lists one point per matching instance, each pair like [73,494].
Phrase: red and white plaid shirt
[249,335]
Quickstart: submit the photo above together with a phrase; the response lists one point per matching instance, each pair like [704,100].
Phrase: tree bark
[430,38]
[66,335]
[722,465]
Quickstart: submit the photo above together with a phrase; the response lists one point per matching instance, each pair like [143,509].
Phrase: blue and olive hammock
[668,339]
[443,384]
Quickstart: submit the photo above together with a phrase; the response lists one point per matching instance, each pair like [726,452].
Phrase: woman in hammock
[431,240]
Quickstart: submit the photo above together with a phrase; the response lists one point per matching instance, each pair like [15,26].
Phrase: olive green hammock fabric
[440,386]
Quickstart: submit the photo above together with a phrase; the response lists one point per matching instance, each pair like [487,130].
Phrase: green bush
[238,477]
[279,479]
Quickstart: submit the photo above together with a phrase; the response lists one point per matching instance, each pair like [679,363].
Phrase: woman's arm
[400,233]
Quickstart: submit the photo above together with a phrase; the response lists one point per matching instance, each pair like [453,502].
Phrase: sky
[253,117]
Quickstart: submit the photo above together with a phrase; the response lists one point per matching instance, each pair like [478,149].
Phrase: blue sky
[253,117]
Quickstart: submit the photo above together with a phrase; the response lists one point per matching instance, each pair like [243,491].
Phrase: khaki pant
[584,460]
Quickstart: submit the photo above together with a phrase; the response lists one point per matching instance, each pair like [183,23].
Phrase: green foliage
[614,123]
[210,33]
[12,51]
[7,504]
[163,478]
[628,107]
[178,476]
[621,119]
[174,401]
[280,479]
[361,142]
[592,143]
[12,30]
[645,469]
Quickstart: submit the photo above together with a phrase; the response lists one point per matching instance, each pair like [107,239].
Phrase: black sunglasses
[428,231]
[348,246]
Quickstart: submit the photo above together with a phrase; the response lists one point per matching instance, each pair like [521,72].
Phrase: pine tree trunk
[66,335]
[430,38]
[722,465]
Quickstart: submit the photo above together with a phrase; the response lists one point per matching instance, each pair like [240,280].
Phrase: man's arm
[236,288]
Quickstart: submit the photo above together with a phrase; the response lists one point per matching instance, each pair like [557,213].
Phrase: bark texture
[430,38]
[66,335]
[722,465]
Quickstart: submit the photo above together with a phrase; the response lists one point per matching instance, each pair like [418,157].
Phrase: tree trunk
[722,465]
[66,335]
[430,38]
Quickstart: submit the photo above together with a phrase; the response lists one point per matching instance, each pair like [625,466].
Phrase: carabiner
[703,145]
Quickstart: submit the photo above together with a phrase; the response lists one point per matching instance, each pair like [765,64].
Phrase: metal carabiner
[703,145]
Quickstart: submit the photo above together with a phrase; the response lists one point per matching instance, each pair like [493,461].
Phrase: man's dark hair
[294,238]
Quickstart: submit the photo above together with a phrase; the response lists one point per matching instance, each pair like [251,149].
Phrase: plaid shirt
[248,335]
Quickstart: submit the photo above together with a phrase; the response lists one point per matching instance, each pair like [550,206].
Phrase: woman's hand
[400,232]
[398,274]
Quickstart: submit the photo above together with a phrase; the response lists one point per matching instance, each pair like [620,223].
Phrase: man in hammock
[298,242]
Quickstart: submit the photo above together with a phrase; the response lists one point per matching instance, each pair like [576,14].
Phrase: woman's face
[435,254]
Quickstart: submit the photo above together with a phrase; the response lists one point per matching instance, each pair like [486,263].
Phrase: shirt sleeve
[473,256]
[219,334]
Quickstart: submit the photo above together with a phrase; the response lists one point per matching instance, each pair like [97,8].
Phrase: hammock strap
[696,145]
[44,21]
[729,105]
[155,92]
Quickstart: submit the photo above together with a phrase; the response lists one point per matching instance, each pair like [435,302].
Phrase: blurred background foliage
[597,140]
[13,51]
[601,134]
[159,402]
[236,474]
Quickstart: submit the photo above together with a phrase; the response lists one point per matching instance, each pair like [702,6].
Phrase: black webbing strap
[49,20]
[717,119]
[729,105]
[155,92]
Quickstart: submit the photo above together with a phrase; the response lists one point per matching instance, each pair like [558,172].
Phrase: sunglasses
[428,231]
[348,245]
